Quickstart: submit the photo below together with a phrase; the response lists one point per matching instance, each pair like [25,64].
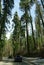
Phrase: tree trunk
[20,37]
[27,38]
[41,19]
[33,36]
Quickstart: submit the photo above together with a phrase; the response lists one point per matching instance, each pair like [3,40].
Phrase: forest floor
[27,60]
[34,61]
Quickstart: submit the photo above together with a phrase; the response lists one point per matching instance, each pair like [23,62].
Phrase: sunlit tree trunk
[27,42]
[33,35]
[40,14]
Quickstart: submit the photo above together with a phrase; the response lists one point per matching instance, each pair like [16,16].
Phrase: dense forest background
[20,41]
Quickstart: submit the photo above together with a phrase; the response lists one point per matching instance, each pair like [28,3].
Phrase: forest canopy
[27,30]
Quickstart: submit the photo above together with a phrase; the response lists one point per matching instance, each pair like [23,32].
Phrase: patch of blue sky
[17,8]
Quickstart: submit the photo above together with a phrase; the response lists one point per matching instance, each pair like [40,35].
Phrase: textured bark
[27,38]
[33,36]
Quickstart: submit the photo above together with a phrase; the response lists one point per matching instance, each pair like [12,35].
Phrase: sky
[17,8]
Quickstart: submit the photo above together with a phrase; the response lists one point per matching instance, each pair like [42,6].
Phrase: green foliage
[20,40]
[16,32]
[26,18]
[24,5]
[4,12]
[16,27]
